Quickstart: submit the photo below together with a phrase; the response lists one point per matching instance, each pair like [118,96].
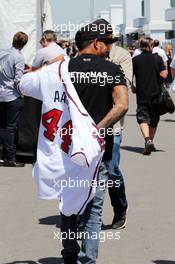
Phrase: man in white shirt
[137,50]
[159,51]
[49,51]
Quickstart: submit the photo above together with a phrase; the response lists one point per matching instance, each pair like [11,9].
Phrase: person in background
[49,51]
[172,66]
[59,43]
[159,51]
[131,50]
[11,103]
[137,51]
[169,53]
[72,50]
[117,195]
[148,70]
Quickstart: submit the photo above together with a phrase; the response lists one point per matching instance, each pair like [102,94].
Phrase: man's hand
[32,69]
[164,74]
[58,58]
[28,69]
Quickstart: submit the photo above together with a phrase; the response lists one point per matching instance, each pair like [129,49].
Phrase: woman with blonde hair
[169,52]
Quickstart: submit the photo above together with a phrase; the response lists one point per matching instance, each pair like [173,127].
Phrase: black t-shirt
[94,79]
[147,68]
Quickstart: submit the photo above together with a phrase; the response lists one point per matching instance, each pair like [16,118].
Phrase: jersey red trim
[76,153]
[84,114]
[70,97]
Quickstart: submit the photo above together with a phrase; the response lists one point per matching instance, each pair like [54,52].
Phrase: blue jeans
[109,170]
[117,191]
[90,221]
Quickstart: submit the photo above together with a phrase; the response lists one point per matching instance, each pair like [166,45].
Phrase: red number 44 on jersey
[50,121]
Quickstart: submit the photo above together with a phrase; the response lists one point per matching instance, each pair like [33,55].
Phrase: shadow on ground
[51,220]
[51,261]
[164,262]
[131,114]
[168,120]
[40,261]
[137,149]
[132,149]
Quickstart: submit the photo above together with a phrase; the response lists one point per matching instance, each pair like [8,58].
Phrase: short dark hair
[145,44]
[49,35]
[83,44]
[20,40]
[156,43]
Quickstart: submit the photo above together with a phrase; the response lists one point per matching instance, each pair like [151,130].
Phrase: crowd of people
[101,73]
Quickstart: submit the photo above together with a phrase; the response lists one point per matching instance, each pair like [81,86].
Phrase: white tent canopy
[31,17]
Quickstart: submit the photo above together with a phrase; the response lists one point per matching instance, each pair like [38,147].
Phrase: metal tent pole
[91,10]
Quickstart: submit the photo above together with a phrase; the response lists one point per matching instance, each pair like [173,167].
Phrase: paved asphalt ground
[27,225]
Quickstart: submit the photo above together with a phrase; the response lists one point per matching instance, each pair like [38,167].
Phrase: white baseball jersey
[69,149]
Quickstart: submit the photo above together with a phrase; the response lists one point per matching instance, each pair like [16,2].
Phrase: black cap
[100,29]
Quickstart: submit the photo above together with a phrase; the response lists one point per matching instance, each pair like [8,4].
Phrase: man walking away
[148,69]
